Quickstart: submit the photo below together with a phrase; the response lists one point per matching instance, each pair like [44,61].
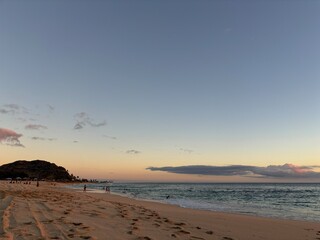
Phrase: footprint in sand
[167,220]
[184,232]
[47,221]
[144,238]
[194,237]
[180,224]
[85,237]
[176,227]
[94,214]
[61,219]
[209,232]
[77,223]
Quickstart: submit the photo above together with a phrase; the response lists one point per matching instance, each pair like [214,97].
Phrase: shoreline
[57,212]
[163,201]
[202,210]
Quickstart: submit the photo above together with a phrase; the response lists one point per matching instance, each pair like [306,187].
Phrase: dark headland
[35,169]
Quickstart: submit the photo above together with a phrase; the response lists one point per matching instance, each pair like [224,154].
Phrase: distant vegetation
[36,169]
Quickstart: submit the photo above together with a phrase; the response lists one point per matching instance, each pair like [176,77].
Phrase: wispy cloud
[10,137]
[43,139]
[50,107]
[5,111]
[272,171]
[110,137]
[132,151]
[78,126]
[13,109]
[35,127]
[184,150]
[83,119]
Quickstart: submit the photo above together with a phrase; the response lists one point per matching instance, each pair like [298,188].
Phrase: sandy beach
[55,212]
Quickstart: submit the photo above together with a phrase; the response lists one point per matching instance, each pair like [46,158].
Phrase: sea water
[297,201]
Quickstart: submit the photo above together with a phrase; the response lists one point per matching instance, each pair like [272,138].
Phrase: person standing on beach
[84,187]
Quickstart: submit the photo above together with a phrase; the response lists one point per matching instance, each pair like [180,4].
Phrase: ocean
[297,201]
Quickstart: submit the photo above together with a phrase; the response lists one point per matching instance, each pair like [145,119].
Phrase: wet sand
[54,212]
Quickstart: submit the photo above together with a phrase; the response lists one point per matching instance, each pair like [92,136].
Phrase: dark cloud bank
[272,171]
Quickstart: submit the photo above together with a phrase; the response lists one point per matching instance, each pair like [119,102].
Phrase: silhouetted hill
[34,169]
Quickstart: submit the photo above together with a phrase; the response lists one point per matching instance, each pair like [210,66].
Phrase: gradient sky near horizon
[134,90]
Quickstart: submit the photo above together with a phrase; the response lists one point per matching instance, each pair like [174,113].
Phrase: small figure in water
[84,187]
[168,197]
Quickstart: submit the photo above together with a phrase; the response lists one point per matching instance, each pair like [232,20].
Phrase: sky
[170,90]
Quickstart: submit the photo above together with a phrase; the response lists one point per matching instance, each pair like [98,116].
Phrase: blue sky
[218,82]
